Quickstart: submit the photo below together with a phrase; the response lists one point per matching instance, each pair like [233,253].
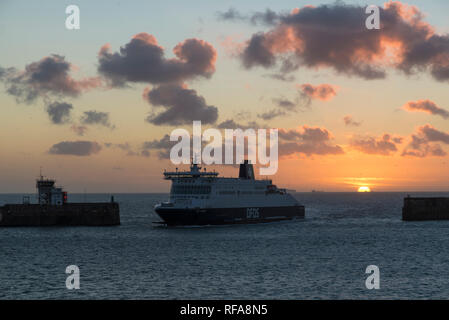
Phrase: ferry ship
[200,197]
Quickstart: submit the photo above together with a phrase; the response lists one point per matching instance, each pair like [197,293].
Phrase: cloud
[59,112]
[75,148]
[334,36]
[163,143]
[421,148]
[163,146]
[48,76]
[93,117]
[257,53]
[271,114]
[323,92]
[309,134]
[308,141]
[285,103]
[385,145]
[231,124]
[232,45]
[426,106]
[309,149]
[127,148]
[142,60]
[182,106]
[280,77]
[268,17]
[349,121]
[231,14]
[79,129]
[122,146]
[433,135]
[283,107]
[424,143]
[306,93]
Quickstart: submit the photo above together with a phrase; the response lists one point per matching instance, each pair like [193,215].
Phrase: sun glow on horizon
[364,189]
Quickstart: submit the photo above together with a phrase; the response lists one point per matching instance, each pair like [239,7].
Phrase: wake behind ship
[202,198]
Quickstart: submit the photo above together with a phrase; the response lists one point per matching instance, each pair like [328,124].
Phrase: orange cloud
[425,143]
[385,145]
[308,141]
[426,106]
[333,36]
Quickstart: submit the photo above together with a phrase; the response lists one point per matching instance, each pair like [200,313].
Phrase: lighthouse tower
[48,194]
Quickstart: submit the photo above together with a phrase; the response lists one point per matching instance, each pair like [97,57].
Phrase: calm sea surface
[322,257]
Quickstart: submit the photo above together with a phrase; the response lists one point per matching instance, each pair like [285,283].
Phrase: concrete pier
[420,209]
[68,214]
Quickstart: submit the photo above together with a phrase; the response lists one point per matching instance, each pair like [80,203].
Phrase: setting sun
[364,189]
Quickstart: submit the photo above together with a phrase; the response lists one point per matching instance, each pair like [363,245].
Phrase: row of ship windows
[240,192]
[185,181]
[207,190]
[191,189]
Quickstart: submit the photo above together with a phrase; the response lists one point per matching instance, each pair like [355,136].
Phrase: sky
[354,107]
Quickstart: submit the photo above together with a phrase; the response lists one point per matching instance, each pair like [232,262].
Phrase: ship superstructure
[200,197]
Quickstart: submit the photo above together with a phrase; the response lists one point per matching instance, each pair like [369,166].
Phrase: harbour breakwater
[68,214]
[420,209]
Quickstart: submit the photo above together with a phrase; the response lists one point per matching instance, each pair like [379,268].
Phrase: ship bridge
[195,172]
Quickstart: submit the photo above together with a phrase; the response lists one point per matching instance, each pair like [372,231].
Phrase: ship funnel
[246,170]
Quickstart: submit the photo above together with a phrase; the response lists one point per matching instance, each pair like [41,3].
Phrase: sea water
[324,256]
